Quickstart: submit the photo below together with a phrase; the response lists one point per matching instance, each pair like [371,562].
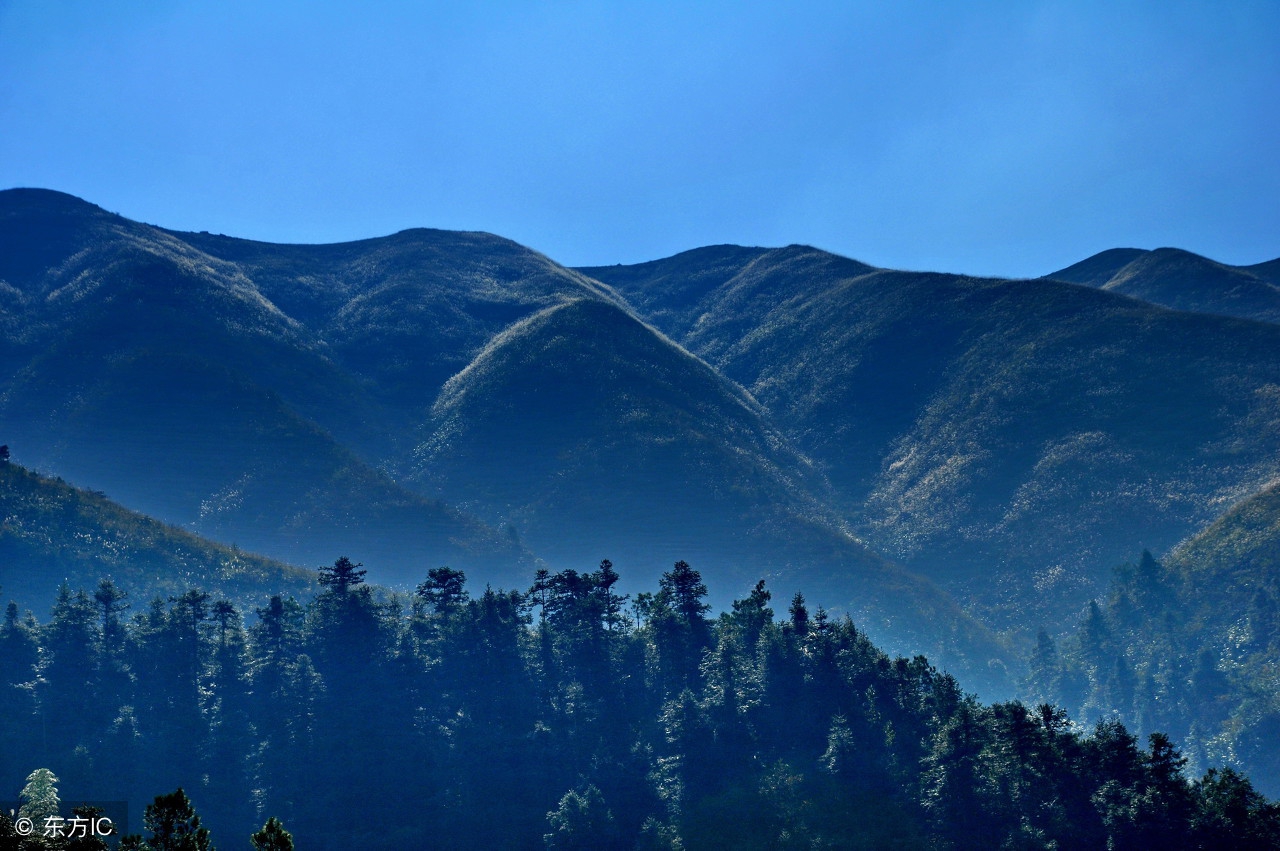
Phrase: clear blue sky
[989,138]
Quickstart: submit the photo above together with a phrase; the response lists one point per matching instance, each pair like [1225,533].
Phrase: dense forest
[564,716]
[1189,649]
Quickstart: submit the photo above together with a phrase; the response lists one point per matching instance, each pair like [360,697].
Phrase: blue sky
[988,138]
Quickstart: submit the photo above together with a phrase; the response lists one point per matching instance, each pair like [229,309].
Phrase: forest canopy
[565,716]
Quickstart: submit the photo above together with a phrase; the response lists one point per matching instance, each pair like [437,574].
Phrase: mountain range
[1011,439]
[945,457]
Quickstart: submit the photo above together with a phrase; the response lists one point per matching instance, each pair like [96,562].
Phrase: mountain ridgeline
[1183,281]
[952,460]
[1012,440]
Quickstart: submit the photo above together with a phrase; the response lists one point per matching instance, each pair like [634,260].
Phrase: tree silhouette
[343,575]
[174,825]
[272,837]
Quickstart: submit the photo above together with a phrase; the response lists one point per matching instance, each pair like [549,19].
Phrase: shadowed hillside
[592,435]
[403,313]
[277,396]
[144,367]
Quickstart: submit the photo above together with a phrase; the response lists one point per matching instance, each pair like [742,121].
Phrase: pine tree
[444,589]
[684,591]
[609,604]
[68,691]
[272,837]
[753,614]
[82,838]
[19,655]
[799,615]
[228,711]
[344,575]
[952,788]
[1231,814]
[1044,671]
[582,822]
[174,825]
[39,797]
[112,675]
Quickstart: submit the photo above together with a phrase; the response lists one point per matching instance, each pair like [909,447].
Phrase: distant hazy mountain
[52,533]
[1183,281]
[1014,439]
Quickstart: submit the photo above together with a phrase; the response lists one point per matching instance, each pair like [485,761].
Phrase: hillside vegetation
[52,533]
[1013,440]
[1189,647]
[942,456]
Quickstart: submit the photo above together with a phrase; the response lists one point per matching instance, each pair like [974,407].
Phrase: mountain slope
[1014,439]
[1097,270]
[292,382]
[401,314]
[1233,566]
[146,368]
[595,436]
[1182,281]
[51,532]
[581,400]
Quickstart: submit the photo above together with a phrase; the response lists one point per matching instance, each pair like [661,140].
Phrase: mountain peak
[40,228]
[34,200]
[1098,269]
[1182,280]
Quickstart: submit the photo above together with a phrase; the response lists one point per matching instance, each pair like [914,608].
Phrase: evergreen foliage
[272,837]
[39,797]
[1188,649]
[53,529]
[461,721]
[174,826]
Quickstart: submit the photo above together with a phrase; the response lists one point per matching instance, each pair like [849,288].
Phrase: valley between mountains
[956,462]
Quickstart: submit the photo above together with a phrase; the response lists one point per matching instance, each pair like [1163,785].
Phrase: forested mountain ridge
[1013,440]
[404,313]
[310,396]
[435,398]
[146,368]
[568,716]
[816,418]
[592,433]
